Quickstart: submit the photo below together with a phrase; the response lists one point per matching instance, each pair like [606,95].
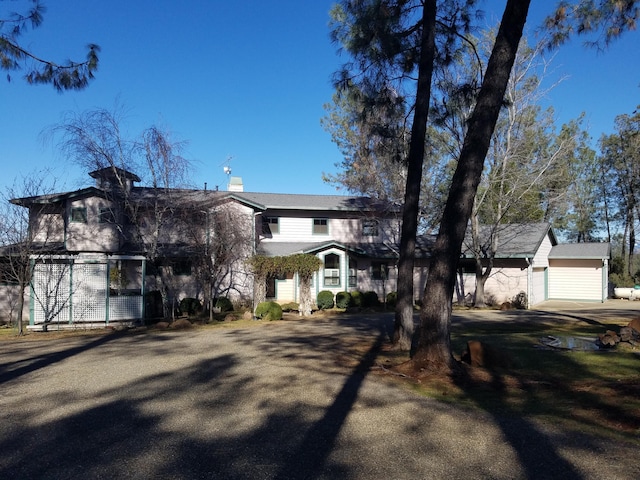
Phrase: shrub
[325,300]
[190,306]
[180,324]
[392,299]
[343,299]
[370,299]
[356,298]
[520,301]
[223,303]
[290,307]
[621,280]
[269,311]
[490,300]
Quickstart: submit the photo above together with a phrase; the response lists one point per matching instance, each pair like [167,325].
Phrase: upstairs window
[369,228]
[320,226]
[270,225]
[79,215]
[106,216]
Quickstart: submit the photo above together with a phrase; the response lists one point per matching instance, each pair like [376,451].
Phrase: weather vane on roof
[227,167]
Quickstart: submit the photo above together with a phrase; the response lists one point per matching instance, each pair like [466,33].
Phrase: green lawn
[590,391]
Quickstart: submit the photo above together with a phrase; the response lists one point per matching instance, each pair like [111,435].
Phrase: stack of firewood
[629,334]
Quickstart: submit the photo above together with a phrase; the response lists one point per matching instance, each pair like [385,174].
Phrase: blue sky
[240,79]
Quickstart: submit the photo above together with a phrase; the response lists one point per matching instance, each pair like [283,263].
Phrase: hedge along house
[529,259]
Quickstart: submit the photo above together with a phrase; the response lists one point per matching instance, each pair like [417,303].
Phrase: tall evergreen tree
[396,45]
[15,56]
[621,163]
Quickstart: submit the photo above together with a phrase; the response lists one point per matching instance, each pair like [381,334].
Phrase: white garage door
[575,280]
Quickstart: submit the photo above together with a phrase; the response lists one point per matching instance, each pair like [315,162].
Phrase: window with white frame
[379,270]
[270,225]
[331,270]
[320,226]
[79,215]
[181,266]
[353,273]
[369,228]
[106,216]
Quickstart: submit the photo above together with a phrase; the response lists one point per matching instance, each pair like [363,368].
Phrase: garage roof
[581,251]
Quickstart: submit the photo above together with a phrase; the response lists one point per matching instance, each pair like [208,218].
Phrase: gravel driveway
[270,402]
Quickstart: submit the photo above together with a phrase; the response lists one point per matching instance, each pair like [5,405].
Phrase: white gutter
[529,281]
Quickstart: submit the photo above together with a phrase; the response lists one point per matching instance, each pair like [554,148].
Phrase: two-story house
[116,252]
[113,251]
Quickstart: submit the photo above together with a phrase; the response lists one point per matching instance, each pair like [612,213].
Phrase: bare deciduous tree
[25,236]
[145,216]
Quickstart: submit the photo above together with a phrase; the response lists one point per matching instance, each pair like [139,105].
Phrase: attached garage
[579,272]
[529,259]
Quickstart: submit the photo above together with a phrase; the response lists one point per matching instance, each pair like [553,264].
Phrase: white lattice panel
[125,308]
[89,292]
[51,292]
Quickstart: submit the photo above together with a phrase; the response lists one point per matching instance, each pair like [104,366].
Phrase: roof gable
[515,240]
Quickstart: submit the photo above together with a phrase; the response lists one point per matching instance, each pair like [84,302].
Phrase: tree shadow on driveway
[308,460]
[12,370]
[198,421]
[269,402]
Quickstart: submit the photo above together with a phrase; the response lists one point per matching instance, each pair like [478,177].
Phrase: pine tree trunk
[482,275]
[403,327]
[433,349]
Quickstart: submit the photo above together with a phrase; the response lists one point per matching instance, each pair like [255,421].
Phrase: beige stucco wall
[47,227]
[9,296]
[92,236]
[502,285]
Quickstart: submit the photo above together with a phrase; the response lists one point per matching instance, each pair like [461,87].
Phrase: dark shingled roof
[371,250]
[581,250]
[288,201]
[257,201]
[514,240]
[279,249]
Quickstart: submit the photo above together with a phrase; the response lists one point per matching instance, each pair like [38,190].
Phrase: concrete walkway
[279,401]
